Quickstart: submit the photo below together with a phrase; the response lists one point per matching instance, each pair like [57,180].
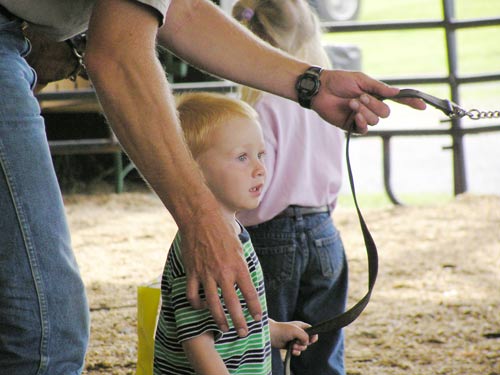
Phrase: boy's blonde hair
[290,25]
[202,112]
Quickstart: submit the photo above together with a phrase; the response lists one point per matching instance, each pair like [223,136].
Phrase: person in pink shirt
[300,249]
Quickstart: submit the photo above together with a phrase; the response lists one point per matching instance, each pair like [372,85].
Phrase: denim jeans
[306,279]
[44,320]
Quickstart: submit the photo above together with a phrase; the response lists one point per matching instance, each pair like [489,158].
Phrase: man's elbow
[97,63]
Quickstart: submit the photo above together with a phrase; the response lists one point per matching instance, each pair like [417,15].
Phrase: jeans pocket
[277,263]
[331,254]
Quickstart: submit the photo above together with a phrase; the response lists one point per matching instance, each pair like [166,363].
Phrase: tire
[337,10]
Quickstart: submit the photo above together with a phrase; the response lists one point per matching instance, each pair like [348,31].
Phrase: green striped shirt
[178,321]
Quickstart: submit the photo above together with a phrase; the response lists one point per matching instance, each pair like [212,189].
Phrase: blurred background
[424,165]
[411,47]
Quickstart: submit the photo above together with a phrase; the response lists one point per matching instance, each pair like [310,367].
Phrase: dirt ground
[435,308]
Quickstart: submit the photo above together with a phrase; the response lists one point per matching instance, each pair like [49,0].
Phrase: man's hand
[346,97]
[213,257]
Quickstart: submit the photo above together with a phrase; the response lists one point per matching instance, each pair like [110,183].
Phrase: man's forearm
[200,33]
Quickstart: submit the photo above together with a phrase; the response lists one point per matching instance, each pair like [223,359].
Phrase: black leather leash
[449,108]
[344,319]
[337,322]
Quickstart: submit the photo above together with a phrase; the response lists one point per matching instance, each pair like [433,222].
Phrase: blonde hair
[202,112]
[290,25]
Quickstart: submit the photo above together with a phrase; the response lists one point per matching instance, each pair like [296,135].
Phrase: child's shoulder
[175,265]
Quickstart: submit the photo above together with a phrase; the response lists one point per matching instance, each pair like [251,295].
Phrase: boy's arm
[202,355]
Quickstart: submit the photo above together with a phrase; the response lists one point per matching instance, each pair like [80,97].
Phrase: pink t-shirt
[303,159]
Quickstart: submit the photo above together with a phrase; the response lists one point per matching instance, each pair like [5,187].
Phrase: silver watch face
[308,83]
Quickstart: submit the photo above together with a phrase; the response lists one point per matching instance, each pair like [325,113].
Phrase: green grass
[404,53]
[374,10]
[381,200]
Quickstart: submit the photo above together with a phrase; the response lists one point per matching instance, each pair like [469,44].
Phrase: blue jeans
[306,277]
[44,320]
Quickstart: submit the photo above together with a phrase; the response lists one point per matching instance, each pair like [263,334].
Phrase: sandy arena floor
[435,308]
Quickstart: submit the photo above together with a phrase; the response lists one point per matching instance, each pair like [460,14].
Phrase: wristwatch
[307,85]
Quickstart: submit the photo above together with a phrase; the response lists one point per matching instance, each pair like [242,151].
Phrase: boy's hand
[284,332]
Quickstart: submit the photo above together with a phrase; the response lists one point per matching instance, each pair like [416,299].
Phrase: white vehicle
[328,10]
[336,10]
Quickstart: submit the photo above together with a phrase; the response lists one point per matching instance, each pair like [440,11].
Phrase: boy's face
[233,164]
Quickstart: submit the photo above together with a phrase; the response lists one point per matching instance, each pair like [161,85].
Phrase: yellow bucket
[148,304]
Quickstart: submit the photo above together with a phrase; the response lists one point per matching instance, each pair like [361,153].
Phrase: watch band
[308,85]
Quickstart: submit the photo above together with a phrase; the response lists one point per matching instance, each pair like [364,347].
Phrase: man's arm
[200,33]
[132,89]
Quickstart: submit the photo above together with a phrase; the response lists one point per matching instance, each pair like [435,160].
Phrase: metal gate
[452,78]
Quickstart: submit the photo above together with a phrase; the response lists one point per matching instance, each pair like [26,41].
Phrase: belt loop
[298,213]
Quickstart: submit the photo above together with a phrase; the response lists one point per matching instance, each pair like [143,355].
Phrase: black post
[459,173]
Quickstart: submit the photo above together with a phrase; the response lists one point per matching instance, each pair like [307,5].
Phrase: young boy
[226,140]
